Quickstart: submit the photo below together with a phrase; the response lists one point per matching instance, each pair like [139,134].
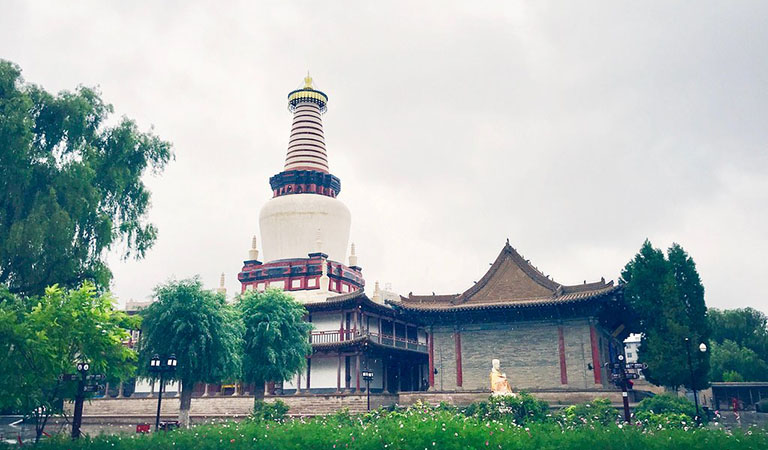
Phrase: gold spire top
[308,81]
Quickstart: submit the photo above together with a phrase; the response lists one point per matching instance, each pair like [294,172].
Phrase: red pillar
[431,344]
[457,342]
[595,355]
[561,346]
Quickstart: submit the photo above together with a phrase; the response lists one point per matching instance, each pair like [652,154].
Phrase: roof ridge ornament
[308,81]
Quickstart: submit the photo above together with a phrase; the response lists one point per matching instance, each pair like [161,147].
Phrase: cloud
[574,130]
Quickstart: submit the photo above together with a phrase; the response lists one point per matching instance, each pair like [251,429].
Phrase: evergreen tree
[667,298]
[276,340]
[199,328]
[70,186]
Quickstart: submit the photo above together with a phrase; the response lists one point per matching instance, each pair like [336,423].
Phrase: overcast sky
[575,129]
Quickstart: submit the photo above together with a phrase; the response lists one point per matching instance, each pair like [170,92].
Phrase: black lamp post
[702,349]
[368,376]
[77,419]
[156,365]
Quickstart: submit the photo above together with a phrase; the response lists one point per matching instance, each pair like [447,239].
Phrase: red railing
[333,336]
[328,337]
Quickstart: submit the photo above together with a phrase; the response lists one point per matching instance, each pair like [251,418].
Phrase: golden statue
[307,81]
[499,383]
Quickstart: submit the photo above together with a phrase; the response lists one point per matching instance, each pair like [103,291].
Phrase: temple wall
[529,353]
[323,372]
[326,322]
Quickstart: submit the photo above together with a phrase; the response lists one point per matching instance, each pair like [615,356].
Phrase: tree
[276,339]
[667,297]
[733,362]
[70,185]
[199,328]
[746,327]
[43,338]
[740,344]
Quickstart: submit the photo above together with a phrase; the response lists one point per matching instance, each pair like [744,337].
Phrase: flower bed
[426,427]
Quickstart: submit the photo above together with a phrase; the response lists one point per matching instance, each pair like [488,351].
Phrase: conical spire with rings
[306,147]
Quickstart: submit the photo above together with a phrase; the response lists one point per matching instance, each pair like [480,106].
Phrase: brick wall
[529,353]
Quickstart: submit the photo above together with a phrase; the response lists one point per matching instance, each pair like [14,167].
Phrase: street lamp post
[702,348]
[156,365]
[368,376]
[77,419]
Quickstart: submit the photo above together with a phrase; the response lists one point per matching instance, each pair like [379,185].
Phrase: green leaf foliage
[276,338]
[197,326]
[665,404]
[44,337]
[418,428]
[732,362]
[667,297]
[739,345]
[70,185]
[519,409]
[276,411]
[598,411]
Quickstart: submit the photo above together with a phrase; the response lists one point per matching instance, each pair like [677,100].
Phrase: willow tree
[70,185]
[197,326]
[276,338]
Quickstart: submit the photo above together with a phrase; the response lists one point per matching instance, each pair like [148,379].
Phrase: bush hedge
[665,404]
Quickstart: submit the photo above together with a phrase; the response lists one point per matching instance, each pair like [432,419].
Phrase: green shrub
[599,411]
[666,421]
[275,411]
[521,409]
[732,376]
[665,403]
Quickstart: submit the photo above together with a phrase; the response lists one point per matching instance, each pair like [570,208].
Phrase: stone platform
[139,410]
[136,410]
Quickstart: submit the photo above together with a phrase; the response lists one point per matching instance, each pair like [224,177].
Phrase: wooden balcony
[334,336]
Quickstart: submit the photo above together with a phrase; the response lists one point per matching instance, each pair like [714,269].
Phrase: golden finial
[308,81]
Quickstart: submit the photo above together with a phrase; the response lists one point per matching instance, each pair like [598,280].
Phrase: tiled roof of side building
[511,282]
[354,297]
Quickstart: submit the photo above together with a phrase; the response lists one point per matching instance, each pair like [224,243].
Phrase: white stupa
[304,223]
